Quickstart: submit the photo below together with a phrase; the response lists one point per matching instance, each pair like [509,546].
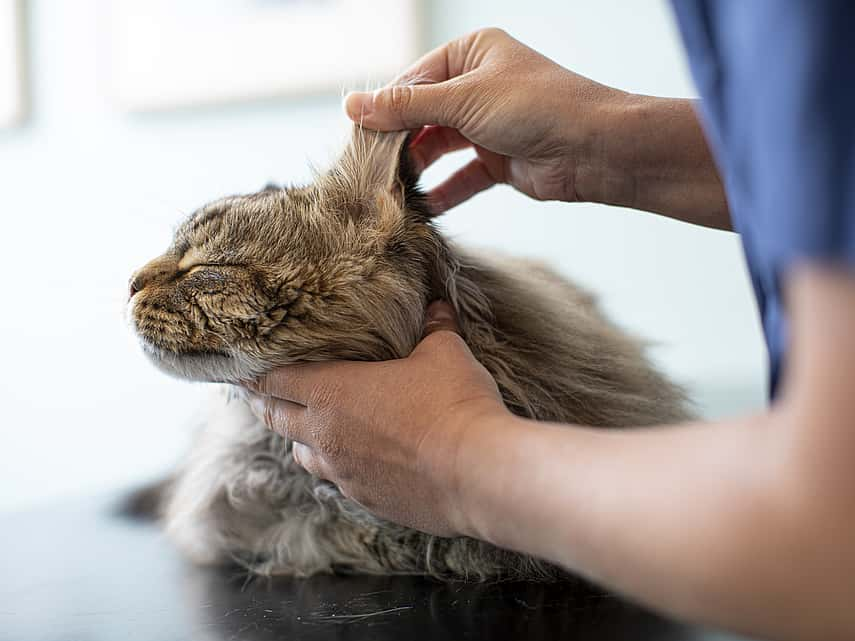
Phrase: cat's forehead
[231,209]
[261,227]
[242,215]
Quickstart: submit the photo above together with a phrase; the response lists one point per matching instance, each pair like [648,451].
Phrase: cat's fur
[344,268]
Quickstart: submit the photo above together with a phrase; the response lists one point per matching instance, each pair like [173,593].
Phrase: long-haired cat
[343,269]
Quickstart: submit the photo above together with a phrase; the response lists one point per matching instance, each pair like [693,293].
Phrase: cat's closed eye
[203,268]
[205,274]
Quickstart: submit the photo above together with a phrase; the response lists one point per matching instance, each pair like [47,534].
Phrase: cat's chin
[206,367]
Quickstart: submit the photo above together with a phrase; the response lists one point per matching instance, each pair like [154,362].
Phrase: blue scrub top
[777,86]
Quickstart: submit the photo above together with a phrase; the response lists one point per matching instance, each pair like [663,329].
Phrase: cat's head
[337,269]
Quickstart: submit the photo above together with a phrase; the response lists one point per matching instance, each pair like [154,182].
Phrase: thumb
[399,107]
[441,332]
[440,316]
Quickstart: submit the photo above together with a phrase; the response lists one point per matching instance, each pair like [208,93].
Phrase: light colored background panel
[11,63]
[165,54]
[90,193]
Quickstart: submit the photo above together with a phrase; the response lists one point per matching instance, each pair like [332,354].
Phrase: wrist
[650,153]
[479,469]
[608,167]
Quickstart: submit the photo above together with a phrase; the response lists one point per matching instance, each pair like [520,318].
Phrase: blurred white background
[89,193]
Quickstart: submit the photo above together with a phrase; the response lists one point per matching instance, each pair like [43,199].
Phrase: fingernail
[358,104]
[297,451]
[439,310]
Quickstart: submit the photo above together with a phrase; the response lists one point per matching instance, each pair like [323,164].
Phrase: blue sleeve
[777,78]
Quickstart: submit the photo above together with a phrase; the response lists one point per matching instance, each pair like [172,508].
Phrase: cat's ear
[377,165]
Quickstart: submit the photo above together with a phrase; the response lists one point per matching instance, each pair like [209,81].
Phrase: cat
[343,269]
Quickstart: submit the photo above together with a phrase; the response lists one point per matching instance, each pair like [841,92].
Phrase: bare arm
[548,132]
[655,158]
[744,524]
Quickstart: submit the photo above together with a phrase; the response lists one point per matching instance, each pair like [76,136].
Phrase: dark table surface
[81,571]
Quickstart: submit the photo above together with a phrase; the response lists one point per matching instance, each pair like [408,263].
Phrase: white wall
[89,193]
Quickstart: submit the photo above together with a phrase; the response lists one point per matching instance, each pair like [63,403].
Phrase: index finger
[307,384]
[283,417]
[441,64]
[292,383]
[433,142]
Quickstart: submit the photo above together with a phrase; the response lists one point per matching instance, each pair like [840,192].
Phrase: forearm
[651,154]
[700,521]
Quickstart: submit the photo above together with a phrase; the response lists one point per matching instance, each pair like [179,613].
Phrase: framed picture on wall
[12,105]
[165,54]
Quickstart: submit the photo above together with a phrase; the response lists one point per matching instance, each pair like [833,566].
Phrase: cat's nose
[133,287]
[157,271]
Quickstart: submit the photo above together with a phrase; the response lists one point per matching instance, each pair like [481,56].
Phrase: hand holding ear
[386,433]
[532,123]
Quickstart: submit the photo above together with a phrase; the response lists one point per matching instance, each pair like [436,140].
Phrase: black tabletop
[82,571]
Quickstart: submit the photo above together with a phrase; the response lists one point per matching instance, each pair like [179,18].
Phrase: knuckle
[325,396]
[323,428]
[260,385]
[462,96]
[288,379]
[335,449]
[269,384]
[399,98]
[494,33]
[267,415]
[328,444]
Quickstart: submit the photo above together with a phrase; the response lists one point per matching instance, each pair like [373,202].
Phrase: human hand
[533,124]
[387,433]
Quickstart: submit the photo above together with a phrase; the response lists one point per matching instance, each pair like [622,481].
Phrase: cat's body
[344,269]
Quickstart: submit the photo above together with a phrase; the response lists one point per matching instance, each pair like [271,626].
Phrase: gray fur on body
[240,497]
